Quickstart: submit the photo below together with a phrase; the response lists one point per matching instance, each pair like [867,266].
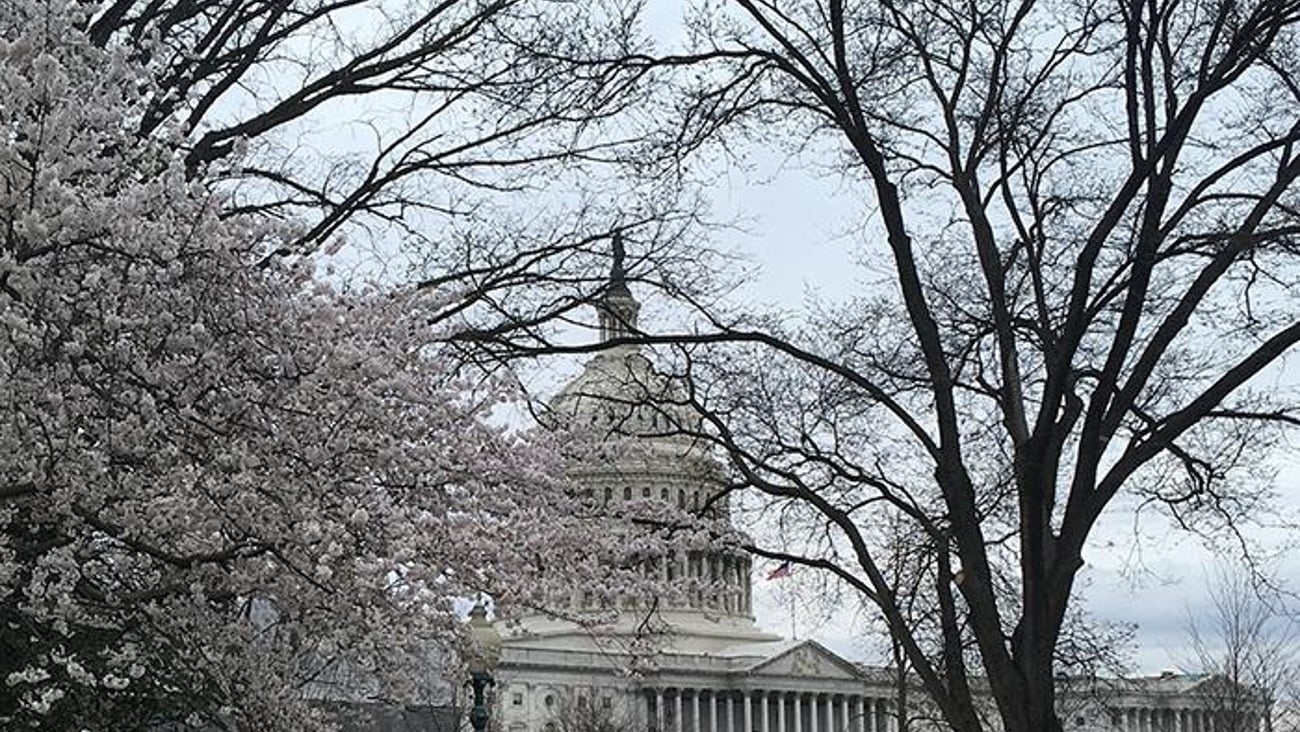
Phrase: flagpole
[783,572]
[794,628]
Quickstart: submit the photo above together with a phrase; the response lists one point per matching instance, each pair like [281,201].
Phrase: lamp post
[485,651]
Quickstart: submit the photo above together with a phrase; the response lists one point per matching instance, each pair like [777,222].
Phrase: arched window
[627,492]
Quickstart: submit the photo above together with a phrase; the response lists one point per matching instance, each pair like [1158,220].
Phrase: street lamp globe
[485,641]
[484,652]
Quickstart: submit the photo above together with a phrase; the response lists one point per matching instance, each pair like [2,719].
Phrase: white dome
[619,396]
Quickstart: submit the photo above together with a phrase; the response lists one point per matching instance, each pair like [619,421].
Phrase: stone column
[780,712]
[762,710]
[659,710]
[713,577]
[680,723]
[695,712]
[749,711]
[860,709]
[713,711]
[798,712]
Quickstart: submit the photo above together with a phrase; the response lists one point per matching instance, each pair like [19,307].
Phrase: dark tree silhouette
[370,115]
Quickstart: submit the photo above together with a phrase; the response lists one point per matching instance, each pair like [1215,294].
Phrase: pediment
[1216,686]
[808,660]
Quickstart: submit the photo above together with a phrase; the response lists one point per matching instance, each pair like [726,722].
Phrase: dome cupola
[618,309]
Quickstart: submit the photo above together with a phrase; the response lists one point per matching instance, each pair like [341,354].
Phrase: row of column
[730,574]
[1141,719]
[704,710]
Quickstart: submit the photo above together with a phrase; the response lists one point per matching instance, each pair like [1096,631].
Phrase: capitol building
[707,666]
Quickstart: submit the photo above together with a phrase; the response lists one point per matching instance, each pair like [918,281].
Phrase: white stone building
[710,668]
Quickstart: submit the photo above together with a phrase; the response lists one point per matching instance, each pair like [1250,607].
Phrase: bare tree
[1087,216]
[371,116]
[1247,646]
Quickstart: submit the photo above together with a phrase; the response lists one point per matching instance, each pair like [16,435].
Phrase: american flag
[781,571]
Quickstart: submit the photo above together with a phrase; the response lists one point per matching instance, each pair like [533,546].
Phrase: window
[549,701]
[517,700]
[627,493]
[606,702]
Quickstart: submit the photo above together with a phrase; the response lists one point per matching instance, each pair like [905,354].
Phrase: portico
[700,709]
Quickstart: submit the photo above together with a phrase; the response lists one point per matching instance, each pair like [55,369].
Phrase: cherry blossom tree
[223,482]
